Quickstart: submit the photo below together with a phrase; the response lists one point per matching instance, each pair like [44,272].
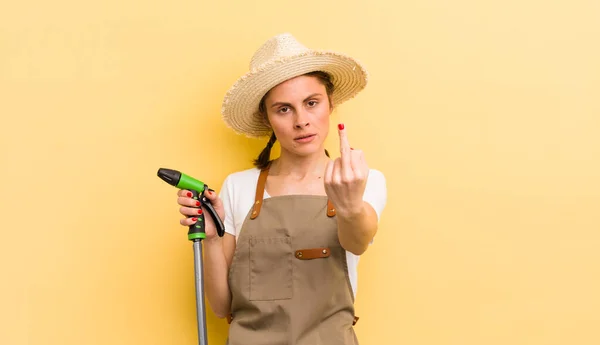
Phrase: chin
[306,150]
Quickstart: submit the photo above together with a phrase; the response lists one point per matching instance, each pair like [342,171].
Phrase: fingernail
[194,219]
[200,211]
[197,203]
[341,126]
[352,148]
[189,194]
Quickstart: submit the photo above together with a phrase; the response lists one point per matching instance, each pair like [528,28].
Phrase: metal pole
[200,307]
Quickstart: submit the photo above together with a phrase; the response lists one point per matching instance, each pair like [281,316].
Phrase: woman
[285,271]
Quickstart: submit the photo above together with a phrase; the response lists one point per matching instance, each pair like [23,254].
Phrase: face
[298,110]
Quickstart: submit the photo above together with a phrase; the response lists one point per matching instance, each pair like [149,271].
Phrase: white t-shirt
[239,189]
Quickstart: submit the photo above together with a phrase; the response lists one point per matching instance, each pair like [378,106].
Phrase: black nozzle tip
[170,176]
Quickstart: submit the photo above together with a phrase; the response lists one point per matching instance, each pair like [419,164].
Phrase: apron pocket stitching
[271,272]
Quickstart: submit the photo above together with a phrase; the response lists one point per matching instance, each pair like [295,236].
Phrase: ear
[267,123]
[264,119]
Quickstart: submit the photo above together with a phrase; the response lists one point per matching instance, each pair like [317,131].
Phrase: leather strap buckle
[313,253]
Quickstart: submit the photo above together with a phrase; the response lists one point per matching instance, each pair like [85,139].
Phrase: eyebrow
[288,104]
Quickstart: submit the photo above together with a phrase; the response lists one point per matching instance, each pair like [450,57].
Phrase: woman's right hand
[190,207]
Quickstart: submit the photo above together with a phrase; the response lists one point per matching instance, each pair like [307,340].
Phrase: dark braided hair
[264,158]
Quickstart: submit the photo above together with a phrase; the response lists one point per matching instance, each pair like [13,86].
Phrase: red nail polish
[352,148]
[189,194]
[200,211]
[197,203]
[194,219]
[341,126]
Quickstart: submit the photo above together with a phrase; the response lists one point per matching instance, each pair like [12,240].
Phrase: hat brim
[240,105]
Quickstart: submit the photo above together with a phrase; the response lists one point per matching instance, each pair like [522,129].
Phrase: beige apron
[289,277]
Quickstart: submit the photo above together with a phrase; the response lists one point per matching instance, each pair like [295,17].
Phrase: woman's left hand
[346,178]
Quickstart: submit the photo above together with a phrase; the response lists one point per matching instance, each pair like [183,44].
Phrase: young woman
[285,271]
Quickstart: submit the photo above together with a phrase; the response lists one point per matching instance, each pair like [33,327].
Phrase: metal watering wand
[196,234]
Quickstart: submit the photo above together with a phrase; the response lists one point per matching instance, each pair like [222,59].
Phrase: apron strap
[260,189]
[330,209]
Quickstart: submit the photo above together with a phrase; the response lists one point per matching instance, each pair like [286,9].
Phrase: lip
[305,138]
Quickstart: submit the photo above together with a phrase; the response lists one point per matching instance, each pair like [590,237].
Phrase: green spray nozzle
[180,180]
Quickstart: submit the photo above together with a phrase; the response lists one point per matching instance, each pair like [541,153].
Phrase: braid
[272,141]
[264,158]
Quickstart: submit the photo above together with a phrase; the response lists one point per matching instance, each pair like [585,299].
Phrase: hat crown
[277,47]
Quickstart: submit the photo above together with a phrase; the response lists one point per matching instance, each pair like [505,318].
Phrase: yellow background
[484,117]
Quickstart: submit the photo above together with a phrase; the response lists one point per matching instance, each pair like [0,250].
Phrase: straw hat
[281,58]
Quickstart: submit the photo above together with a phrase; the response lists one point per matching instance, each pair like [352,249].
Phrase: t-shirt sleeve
[376,191]
[226,195]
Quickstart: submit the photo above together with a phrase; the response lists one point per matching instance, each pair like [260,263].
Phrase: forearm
[356,230]
[216,273]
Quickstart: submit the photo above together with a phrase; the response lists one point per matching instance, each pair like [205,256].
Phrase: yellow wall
[484,116]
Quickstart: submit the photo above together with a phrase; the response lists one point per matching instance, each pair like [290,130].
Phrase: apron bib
[289,276]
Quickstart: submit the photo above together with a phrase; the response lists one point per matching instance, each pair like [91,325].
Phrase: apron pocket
[271,268]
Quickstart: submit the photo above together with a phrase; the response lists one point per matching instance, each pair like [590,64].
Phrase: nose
[300,125]
[301,120]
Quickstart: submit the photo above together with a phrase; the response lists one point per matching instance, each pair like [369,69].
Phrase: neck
[289,164]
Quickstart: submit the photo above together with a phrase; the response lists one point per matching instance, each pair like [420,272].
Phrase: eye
[283,110]
[312,103]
